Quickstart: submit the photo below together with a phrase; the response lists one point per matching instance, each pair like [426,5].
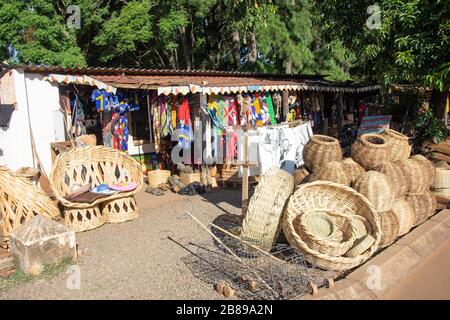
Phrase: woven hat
[334,171]
[416,175]
[377,188]
[423,205]
[362,226]
[394,172]
[353,169]
[389,228]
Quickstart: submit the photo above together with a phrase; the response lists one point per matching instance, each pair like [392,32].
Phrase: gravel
[136,260]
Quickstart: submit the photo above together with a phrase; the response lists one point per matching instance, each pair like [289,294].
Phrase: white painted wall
[15,142]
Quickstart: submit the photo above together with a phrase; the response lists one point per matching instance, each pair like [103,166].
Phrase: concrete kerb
[372,279]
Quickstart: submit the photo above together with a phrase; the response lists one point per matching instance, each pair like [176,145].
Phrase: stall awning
[82,80]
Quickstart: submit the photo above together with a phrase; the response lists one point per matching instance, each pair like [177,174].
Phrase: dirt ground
[136,260]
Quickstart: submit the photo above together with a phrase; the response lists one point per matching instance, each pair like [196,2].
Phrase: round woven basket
[378,188]
[442,179]
[389,228]
[416,176]
[399,148]
[430,169]
[334,171]
[330,197]
[441,164]
[360,246]
[320,150]
[394,172]
[353,169]
[423,205]
[317,236]
[261,224]
[300,176]
[156,177]
[370,150]
[405,215]
[361,225]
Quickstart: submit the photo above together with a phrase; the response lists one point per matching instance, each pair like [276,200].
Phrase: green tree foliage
[34,31]
[411,45]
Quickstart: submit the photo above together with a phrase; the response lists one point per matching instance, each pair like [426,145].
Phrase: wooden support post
[245,176]
[285,103]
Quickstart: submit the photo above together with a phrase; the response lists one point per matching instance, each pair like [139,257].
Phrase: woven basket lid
[319,224]
[362,226]
[360,246]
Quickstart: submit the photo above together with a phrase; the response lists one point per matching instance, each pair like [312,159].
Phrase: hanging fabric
[272,116]
[184,126]
[78,119]
[277,101]
[156,121]
[257,106]
[165,116]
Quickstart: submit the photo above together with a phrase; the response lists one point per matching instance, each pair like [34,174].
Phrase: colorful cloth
[165,117]
[101,99]
[273,119]
[185,125]
[257,107]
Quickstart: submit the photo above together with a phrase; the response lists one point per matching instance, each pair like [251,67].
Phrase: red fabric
[184,112]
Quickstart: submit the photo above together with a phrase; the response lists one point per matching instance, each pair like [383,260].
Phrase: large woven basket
[331,197]
[429,167]
[156,177]
[20,201]
[334,171]
[353,169]
[394,172]
[370,150]
[423,205]
[389,228]
[377,187]
[261,224]
[333,246]
[320,150]
[399,148]
[416,176]
[442,179]
[405,215]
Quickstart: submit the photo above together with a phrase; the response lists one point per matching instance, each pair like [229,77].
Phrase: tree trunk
[288,66]
[184,45]
[252,54]
[437,102]
[236,48]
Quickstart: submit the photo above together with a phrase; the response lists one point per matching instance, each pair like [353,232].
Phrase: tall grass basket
[370,150]
[320,150]
[334,171]
[329,197]
[378,188]
[442,180]
[429,167]
[301,175]
[261,224]
[156,177]
[389,228]
[20,201]
[417,179]
[399,148]
[405,215]
[353,169]
[311,226]
[394,172]
[423,205]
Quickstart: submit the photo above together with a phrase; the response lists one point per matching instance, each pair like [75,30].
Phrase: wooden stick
[247,243]
[232,253]
[245,177]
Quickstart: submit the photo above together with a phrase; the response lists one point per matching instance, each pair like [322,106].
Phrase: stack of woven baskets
[441,184]
[344,210]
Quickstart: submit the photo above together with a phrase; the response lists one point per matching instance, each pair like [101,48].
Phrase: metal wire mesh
[255,275]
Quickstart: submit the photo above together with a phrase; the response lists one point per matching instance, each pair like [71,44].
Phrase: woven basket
[441,164]
[370,150]
[394,172]
[261,224]
[389,228]
[424,206]
[361,225]
[156,177]
[442,179]
[353,169]
[334,171]
[399,149]
[430,169]
[331,197]
[405,215]
[377,187]
[441,192]
[20,201]
[310,225]
[300,176]
[360,246]
[416,176]
[86,140]
[320,150]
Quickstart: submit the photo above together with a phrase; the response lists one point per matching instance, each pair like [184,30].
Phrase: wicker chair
[96,165]
[20,201]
